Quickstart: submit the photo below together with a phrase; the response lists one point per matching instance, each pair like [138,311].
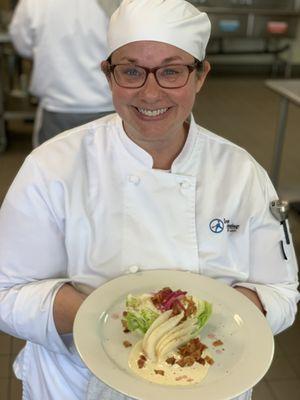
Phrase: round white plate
[241,361]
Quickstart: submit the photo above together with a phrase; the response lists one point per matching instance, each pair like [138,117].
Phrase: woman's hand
[252,295]
[66,304]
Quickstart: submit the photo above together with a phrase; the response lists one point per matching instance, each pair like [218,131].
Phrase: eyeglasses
[169,76]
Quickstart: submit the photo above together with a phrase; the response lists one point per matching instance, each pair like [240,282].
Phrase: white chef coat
[87,205]
[67,40]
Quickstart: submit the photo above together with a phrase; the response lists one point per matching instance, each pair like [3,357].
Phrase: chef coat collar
[188,148]
[139,154]
[145,159]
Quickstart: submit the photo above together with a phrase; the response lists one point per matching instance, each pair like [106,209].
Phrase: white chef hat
[174,22]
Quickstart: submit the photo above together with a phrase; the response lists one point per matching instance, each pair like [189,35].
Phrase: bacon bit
[190,380]
[179,378]
[191,309]
[209,360]
[197,353]
[124,323]
[189,361]
[171,360]
[201,361]
[125,313]
[181,362]
[126,343]
[177,308]
[191,352]
[218,343]
[192,346]
[141,362]
[159,372]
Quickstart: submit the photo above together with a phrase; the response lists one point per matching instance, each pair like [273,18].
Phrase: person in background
[144,187]
[66,41]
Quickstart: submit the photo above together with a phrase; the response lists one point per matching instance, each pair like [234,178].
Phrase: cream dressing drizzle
[173,374]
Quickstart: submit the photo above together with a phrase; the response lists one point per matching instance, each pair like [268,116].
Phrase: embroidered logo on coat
[217,225]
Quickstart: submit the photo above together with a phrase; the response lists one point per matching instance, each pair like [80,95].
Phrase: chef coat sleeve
[32,258]
[274,278]
[21,28]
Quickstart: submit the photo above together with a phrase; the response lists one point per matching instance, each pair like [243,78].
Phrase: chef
[64,39]
[145,187]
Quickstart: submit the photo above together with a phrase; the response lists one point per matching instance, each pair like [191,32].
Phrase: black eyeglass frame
[198,65]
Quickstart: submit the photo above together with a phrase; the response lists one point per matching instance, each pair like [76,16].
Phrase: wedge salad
[168,323]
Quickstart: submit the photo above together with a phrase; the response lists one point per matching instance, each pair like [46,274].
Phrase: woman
[145,187]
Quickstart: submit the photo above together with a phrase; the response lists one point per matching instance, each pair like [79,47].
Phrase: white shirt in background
[67,41]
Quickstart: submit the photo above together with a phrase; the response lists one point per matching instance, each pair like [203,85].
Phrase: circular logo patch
[216,225]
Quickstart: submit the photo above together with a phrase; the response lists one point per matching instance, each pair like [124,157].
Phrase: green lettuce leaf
[204,313]
[140,313]
[140,320]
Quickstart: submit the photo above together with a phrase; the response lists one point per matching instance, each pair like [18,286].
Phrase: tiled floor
[244,111]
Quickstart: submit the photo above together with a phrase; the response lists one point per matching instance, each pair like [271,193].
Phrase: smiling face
[152,115]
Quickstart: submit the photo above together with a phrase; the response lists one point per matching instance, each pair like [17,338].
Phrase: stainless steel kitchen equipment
[270,20]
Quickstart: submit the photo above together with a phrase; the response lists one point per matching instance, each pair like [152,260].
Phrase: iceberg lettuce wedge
[141,311]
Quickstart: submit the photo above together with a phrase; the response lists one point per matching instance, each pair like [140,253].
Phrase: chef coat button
[133,269]
[134,179]
[185,185]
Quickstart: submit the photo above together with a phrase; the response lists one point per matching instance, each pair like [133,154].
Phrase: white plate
[241,361]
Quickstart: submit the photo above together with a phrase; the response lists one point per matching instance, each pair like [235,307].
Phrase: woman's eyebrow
[167,60]
[130,60]
[171,59]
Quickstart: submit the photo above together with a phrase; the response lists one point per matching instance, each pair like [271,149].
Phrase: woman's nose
[151,89]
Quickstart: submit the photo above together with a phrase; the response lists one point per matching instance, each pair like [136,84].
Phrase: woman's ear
[201,78]
[105,69]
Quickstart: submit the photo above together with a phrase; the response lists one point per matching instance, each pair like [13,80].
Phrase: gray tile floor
[244,111]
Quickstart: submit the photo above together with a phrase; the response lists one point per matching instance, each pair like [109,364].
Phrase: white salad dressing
[173,374]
